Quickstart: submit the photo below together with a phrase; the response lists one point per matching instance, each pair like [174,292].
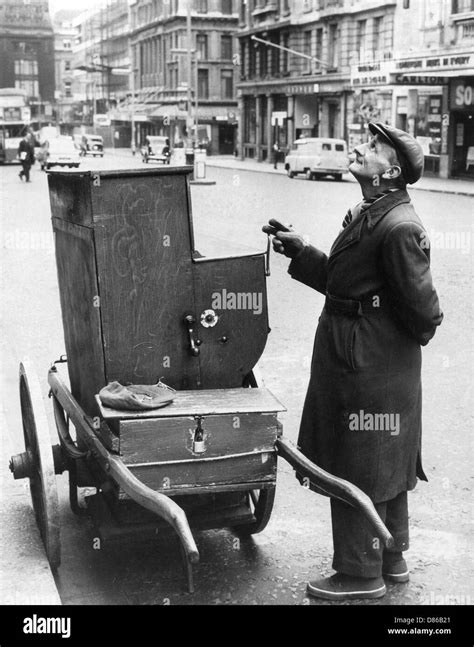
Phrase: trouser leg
[396,520]
[358,551]
[26,171]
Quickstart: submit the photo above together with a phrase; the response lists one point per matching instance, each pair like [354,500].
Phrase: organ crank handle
[189,320]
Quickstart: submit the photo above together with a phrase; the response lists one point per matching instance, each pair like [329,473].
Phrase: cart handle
[158,503]
[334,487]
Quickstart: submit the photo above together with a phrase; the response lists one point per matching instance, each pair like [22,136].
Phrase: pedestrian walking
[362,414]
[276,154]
[26,153]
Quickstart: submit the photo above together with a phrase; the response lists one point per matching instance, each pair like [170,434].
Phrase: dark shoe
[346,587]
[395,569]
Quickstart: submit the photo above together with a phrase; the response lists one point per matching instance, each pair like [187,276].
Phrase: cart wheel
[44,494]
[261,504]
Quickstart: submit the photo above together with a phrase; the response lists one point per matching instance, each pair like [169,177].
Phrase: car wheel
[309,174]
[290,173]
[338,177]
[76,165]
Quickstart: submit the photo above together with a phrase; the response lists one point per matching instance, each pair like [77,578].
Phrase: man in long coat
[362,414]
[26,153]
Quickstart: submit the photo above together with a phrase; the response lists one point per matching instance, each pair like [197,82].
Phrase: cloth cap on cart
[136,396]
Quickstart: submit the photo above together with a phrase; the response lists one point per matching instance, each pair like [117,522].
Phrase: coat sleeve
[406,265]
[311,268]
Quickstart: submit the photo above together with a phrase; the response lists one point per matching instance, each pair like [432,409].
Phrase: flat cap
[409,151]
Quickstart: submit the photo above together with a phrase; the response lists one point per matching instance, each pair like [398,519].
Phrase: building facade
[312,95]
[406,63]
[27,53]
[159,44]
[432,77]
[64,35]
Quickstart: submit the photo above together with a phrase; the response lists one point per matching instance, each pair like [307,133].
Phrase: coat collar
[373,214]
[378,210]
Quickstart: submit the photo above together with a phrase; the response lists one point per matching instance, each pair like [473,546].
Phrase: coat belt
[352,307]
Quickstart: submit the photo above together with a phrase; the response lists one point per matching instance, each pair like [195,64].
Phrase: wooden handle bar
[334,487]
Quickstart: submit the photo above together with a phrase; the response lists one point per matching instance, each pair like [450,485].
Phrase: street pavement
[274,566]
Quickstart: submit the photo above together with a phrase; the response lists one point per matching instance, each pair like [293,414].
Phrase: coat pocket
[351,343]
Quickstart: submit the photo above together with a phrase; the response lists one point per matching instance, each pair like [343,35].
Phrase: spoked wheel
[261,504]
[41,473]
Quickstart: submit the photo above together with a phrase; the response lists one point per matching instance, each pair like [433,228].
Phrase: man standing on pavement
[362,414]
[276,154]
[26,153]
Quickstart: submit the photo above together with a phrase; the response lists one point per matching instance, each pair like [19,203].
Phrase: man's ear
[392,173]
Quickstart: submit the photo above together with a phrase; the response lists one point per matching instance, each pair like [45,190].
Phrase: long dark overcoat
[362,414]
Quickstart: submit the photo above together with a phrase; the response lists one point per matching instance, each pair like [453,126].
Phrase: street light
[192,54]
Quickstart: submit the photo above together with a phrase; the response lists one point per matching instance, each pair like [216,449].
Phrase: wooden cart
[140,304]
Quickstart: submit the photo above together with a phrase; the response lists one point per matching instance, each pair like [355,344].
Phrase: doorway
[226,139]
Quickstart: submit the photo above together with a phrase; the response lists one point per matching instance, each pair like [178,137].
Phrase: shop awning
[171,110]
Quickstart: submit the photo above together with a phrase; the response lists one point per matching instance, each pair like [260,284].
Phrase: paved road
[273,567]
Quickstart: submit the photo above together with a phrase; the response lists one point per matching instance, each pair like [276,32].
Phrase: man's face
[371,159]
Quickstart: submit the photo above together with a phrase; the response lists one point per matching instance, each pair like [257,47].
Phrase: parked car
[156,148]
[92,145]
[59,151]
[317,156]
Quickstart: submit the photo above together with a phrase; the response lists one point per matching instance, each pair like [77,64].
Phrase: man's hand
[285,240]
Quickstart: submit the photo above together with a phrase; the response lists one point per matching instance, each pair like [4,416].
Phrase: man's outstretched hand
[285,240]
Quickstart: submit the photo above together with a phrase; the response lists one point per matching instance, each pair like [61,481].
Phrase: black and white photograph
[236,318]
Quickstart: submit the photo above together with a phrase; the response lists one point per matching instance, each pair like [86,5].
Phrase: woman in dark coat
[362,414]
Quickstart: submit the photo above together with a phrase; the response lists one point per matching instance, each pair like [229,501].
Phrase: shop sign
[405,79]
[302,88]
[370,74]
[435,63]
[462,95]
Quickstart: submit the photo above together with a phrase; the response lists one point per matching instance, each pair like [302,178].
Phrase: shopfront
[276,113]
[461,103]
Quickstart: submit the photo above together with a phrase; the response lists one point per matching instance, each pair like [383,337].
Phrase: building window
[263,59]
[467,30]
[319,48]
[201,6]
[462,6]
[252,59]
[275,54]
[226,48]
[227,6]
[26,68]
[378,38]
[66,44]
[284,57]
[67,66]
[203,84]
[333,46]
[360,43]
[67,89]
[201,46]
[307,50]
[31,86]
[227,84]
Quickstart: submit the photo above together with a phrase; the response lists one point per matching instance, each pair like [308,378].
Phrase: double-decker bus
[15,117]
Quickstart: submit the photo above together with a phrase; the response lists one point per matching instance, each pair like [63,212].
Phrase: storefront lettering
[464,95]
[438,62]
